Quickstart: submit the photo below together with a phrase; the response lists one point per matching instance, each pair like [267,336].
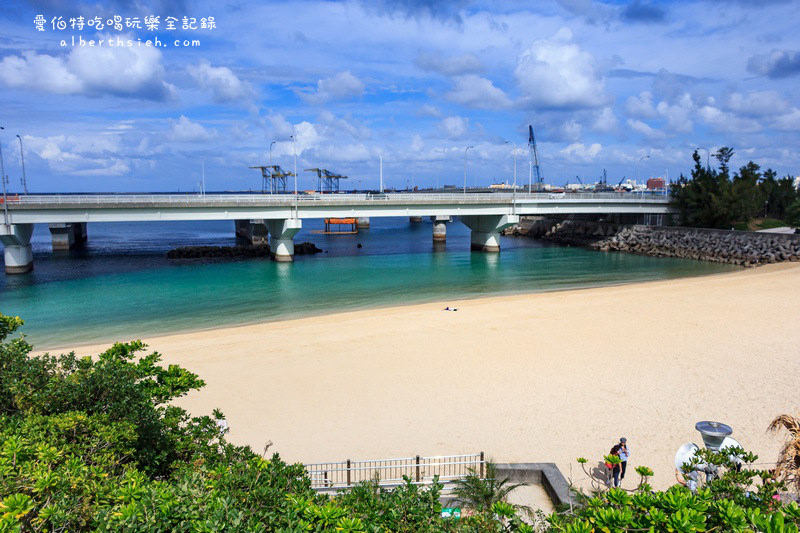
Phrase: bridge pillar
[67,235]
[415,219]
[439,227]
[485,236]
[281,235]
[362,222]
[253,231]
[17,252]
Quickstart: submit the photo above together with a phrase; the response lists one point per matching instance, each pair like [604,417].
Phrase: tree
[788,467]
[705,199]
[793,213]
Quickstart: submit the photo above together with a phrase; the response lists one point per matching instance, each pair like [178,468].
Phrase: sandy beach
[535,378]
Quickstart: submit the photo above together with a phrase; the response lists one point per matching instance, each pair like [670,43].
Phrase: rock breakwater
[743,248]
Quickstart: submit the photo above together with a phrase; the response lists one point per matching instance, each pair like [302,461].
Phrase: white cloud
[224,84]
[758,103]
[558,73]
[185,130]
[80,155]
[105,70]
[677,115]
[726,122]
[342,86]
[790,121]
[571,130]
[606,121]
[42,72]
[279,127]
[641,106]
[427,110]
[640,127]
[473,91]
[347,126]
[449,66]
[579,150]
[454,127]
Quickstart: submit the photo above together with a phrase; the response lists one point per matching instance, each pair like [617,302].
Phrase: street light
[294,149]
[3,179]
[22,157]
[514,193]
[271,170]
[465,167]
[515,162]
[637,166]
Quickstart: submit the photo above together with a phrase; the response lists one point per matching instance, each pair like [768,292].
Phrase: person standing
[614,467]
[624,453]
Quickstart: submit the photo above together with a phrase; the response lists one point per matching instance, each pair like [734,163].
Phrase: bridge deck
[139,207]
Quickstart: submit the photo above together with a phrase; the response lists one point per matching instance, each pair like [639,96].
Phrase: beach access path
[527,378]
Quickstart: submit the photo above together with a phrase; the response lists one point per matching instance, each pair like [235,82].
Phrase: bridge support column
[16,239]
[415,219]
[253,231]
[439,228]
[485,236]
[362,222]
[281,235]
[67,235]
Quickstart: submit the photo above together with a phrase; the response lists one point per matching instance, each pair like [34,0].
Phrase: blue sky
[603,83]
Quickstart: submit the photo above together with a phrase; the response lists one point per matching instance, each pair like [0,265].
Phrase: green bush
[92,444]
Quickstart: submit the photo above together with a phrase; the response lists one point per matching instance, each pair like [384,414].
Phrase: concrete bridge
[280,216]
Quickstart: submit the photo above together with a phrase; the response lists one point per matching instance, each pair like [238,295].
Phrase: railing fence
[390,472]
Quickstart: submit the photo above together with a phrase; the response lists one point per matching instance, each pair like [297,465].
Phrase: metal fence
[390,472]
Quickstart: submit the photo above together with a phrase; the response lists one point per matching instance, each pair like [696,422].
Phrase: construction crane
[273,179]
[327,181]
[535,157]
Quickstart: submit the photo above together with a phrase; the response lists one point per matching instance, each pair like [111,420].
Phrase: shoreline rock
[744,248]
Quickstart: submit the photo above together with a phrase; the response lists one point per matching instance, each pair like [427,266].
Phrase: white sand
[531,378]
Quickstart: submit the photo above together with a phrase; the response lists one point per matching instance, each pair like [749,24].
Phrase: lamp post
[3,179]
[271,170]
[465,167]
[380,179]
[22,157]
[294,149]
[637,166]
[203,186]
[514,201]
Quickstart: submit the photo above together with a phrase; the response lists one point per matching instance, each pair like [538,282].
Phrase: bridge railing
[390,472]
[307,199]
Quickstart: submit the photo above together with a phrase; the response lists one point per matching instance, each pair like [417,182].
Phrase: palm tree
[787,468]
[480,494]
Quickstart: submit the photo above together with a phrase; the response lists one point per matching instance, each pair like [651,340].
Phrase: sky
[633,87]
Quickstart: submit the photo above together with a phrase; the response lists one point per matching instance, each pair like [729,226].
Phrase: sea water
[121,286]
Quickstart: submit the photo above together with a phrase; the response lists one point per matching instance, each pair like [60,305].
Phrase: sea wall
[745,248]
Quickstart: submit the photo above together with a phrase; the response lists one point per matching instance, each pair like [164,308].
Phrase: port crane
[273,179]
[535,158]
[327,181]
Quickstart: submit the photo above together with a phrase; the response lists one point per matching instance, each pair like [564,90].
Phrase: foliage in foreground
[739,499]
[93,445]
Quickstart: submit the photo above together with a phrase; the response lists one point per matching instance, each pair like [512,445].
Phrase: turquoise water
[109,293]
